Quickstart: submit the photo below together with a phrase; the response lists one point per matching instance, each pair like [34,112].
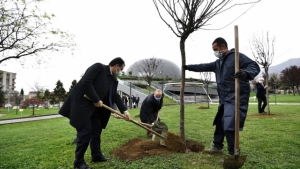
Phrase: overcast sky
[133,30]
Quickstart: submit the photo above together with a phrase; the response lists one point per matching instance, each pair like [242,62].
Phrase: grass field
[270,142]
[5,114]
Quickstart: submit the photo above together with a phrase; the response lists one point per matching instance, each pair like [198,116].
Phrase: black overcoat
[95,83]
[260,91]
[149,108]
[224,70]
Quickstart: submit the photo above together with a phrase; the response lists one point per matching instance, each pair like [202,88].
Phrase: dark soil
[264,115]
[202,107]
[138,148]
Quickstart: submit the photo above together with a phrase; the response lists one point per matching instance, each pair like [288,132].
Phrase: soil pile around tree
[138,148]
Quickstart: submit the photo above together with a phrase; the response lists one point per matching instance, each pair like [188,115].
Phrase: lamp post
[162,81]
[275,91]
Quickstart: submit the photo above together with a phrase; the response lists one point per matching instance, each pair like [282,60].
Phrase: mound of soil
[138,148]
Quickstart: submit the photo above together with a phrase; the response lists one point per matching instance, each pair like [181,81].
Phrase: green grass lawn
[270,142]
[279,98]
[5,114]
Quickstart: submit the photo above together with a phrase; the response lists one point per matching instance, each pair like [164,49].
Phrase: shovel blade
[234,161]
[161,140]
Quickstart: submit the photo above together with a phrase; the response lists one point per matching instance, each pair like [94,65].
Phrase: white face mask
[119,73]
[218,54]
[260,81]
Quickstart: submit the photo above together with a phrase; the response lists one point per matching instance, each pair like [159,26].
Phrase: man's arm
[205,67]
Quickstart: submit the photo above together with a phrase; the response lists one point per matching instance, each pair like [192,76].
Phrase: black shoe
[83,166]
[100,159]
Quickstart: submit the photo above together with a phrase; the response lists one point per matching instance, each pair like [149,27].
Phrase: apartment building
[8,80]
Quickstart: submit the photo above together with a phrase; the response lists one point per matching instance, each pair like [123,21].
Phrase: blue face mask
[157,99]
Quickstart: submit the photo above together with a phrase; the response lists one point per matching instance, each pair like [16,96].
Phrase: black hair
[117,61]
[220,41]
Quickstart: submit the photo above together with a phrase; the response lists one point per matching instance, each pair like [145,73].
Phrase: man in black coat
[150,107]
[261,95]
[87,115]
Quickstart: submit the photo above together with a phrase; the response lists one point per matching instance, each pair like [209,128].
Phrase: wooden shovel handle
[237,93]
[122,115]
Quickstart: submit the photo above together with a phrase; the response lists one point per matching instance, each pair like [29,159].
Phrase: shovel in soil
[135,122]
[236,161]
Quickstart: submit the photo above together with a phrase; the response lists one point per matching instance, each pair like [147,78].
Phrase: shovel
[236,161]
[135,122]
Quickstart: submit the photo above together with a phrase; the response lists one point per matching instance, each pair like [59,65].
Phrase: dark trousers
[89,134]
[219,134]
[263,100]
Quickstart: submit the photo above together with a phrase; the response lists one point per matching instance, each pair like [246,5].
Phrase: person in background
[261,95]
[224,69]
[150,108]
[137,99]
[86,115]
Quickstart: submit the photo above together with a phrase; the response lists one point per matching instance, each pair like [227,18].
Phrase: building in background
[8,80]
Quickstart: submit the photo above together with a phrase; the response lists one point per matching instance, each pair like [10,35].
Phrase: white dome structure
[165,69]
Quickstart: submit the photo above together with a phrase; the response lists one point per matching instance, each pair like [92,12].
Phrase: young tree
[188,16]
[206,81]
[59,94]
[17,99]
[25,30]
[32,102]
[147,69]
[38,89]
[262,48]
[275,81]
[46,98]
[2,96]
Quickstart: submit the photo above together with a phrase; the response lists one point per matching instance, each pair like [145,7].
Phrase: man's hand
[126,113]
[241,75]
[98,104]
[266,86]
[116,116]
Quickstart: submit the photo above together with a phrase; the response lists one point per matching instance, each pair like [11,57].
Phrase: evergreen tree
[59,94]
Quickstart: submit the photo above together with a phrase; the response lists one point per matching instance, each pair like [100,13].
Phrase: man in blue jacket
[261,95]
[150,107]
[224,69]
[87,116]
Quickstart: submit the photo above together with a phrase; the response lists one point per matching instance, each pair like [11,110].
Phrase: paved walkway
[20,120]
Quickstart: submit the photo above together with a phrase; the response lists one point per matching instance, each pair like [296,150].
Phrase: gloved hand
[184,67]
[241,75]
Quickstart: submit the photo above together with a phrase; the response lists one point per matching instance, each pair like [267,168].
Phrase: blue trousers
[88,135]
[220,133]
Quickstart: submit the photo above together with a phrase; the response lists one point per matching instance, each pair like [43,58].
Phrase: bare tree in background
[38,89]
[188,16]
[206,80]
[262,48]
[25,30]
[147,69]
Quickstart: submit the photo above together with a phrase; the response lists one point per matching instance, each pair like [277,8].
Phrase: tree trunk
[207,96]
[183,62]
[267,89]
